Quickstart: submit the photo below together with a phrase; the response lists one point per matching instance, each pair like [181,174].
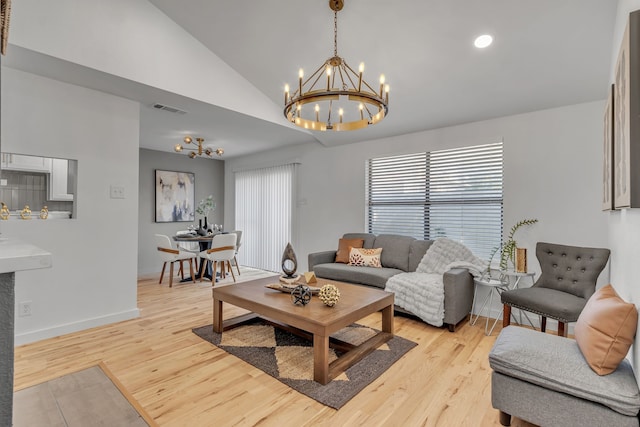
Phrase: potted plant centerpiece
[204,207]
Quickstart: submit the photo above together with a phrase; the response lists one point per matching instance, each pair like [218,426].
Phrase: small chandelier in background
[200,150]
[345,91]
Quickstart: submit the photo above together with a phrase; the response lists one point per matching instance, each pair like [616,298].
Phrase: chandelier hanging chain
[343,90]
[335,32]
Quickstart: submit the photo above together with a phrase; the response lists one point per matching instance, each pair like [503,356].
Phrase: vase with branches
[205,207]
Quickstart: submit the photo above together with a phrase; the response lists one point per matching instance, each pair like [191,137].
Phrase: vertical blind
[264,213]
[453,193]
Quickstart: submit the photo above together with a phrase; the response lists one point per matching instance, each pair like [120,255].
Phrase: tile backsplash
[28,188]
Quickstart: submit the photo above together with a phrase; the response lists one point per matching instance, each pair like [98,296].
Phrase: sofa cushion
[417,249]
[556,363]
[605,330]
[361,257]
[395,250]
[367,237]
[361,275]
[344,248]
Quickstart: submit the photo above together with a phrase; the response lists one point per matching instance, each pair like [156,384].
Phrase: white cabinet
[58,180]
[20,162]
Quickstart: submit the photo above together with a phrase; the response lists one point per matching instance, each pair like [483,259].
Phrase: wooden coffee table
[315,320]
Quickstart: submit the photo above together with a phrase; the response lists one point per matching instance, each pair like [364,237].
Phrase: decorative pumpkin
[329,295]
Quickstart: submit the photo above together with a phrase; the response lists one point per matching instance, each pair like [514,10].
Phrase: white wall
[552,172]
[93,278]
[135,40]
[624,225]
[209,175]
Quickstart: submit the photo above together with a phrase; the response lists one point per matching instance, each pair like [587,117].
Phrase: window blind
[264,213]
[456,193]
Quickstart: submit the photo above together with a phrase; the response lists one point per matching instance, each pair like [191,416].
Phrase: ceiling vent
[168,108]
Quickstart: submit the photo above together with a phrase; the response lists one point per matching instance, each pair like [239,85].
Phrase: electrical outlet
[117,192]
[24,309]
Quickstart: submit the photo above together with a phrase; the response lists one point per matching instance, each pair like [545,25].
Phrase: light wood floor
[181,380]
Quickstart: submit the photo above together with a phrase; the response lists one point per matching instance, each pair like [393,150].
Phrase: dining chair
[222,250]
[238,243]
[170,254]
[567,280]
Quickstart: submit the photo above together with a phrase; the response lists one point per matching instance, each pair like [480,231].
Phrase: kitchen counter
[15,255]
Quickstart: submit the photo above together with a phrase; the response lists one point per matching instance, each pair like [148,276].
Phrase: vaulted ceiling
[546,53]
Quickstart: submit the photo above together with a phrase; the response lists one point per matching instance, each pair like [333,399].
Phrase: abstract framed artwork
[175,196]
[608,155]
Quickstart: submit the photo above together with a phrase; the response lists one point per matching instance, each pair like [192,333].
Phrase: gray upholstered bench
[544,379]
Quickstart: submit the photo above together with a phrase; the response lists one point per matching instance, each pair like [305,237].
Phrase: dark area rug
[289,358]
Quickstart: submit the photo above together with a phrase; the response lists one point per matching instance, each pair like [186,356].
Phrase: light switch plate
[117,192]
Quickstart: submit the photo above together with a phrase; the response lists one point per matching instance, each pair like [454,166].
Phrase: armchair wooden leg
[506,315]
[235,260]
[543,324]
[231,270]
[193,278]
[181,269]
[562,329]
[162,274]
[505,419]
[171,275]
[214,273]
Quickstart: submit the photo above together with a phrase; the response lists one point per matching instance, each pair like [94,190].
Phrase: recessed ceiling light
[483,41]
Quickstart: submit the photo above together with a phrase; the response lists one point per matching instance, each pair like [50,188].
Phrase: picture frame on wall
[175,196]
[608,154]
[626,123]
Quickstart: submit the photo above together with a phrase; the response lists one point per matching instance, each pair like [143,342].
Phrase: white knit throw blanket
[422,292]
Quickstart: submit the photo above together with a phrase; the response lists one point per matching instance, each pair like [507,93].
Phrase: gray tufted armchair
[568,279]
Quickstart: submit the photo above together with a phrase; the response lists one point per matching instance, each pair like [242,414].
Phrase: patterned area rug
[289,358]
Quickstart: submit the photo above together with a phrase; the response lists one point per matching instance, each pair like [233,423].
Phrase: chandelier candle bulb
[286,93]
[300,76]
[361,107]
[360,70]
[317,113]
[341,112]
[381,84]
[386,92]
[328,78]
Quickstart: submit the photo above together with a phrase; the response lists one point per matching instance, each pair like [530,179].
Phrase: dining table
[205,243]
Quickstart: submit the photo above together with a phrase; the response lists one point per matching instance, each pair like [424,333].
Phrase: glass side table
[496,287]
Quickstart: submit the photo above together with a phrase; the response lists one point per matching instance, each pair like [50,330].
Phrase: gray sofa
[399,254]
[544,379]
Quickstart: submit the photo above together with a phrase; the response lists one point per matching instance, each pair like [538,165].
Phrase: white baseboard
[55,331]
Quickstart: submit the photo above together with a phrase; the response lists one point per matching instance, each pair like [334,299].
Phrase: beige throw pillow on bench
[605,330]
